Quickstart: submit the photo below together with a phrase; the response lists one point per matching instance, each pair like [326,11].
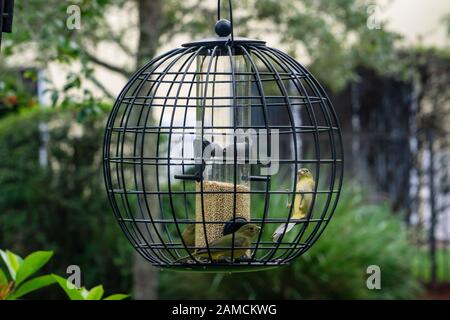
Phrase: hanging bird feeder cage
[209,141]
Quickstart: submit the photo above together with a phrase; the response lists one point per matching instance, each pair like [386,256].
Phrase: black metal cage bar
[203,94]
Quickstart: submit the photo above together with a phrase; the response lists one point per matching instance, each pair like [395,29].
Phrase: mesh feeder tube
[224,194]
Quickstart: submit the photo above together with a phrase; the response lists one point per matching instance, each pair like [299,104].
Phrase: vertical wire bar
[192,58]
[183,139]
[164,105]
[106,164]
[213,102]
[218,10]
[107,144]
[298,84]
[230,6]
[283,64]
[296,66]
[320,227]
[147,209]
[142,176]
[232,22]
[285,93]
[148,114]
[212,57]
[142,144]
[130,107]
[260,87]
[340,146]
[154,64]
[235,119]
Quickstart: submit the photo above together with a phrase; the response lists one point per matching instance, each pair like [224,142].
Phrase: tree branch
[126,73]
[99,85]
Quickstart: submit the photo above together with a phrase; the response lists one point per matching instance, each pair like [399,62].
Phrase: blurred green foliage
[96,293]
[360,235]
[61,206]
[315,28]
[422,265]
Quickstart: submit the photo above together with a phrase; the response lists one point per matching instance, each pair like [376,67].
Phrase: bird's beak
[259,228]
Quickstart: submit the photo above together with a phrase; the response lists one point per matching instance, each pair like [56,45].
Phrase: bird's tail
[281,229]
[182,259]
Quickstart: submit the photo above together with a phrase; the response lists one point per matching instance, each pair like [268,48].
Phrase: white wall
[417,20]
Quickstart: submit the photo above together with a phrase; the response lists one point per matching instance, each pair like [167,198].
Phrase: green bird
[302,202]
[189,236]
[221,248]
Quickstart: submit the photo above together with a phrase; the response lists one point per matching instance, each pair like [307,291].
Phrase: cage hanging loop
[230,6]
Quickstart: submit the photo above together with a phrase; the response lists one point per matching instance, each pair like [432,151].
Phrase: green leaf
[32,264]
[12,261]
[95,293]
[118,296]
[3,278]
[32,285]
[72,293]
[84,292]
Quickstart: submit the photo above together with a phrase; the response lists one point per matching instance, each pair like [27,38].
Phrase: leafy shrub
[16,284]
[61,206]
[82,293]
[360,235]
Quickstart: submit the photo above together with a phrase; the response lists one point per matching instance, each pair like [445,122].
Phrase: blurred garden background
[386,65]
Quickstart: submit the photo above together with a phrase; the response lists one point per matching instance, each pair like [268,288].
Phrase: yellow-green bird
[221,248]
[302,202]
[189,236]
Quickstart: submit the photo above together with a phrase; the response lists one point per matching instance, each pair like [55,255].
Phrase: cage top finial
[225,25]
[223,28]
[225,33]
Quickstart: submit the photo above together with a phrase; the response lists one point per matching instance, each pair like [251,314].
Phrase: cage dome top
[221,41]
[223,155]
[224,31]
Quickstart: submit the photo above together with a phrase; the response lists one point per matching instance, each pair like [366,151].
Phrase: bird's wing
[301,196]
[306,186]
[222,242]
[225,242]
[218,244]
[241,241]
